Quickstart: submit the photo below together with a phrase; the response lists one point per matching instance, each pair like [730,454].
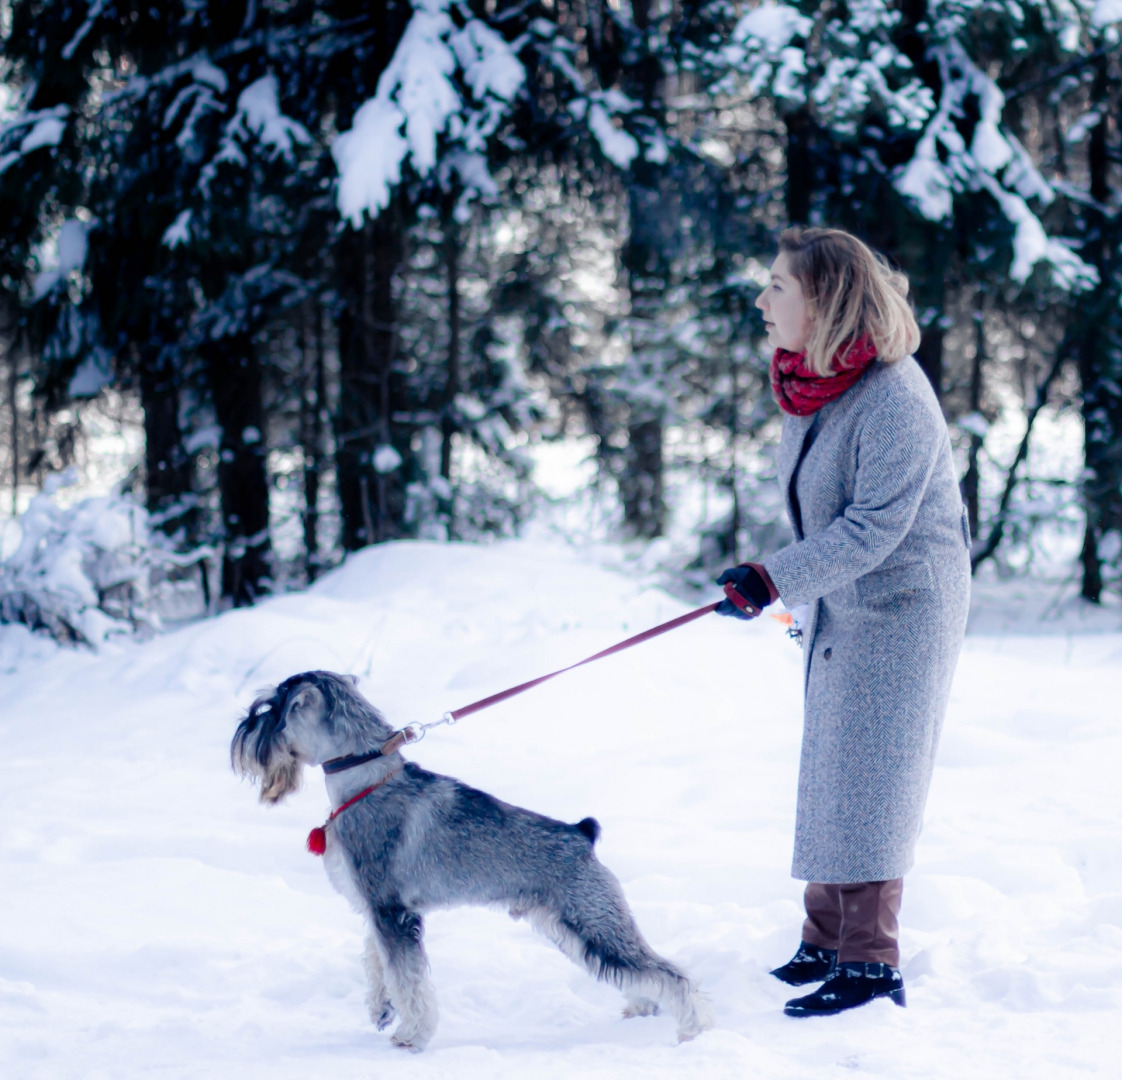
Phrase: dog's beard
[281,779]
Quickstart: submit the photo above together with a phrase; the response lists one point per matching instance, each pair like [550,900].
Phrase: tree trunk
[800,166]
[366,261]
[1095,360]
[313,402]
[641,474]
[641,485]
[449,425]
[929,356]
[997,530]
[734,477]
[970,481]
[235,382]
[169,472]
[647,263]
[372,503]
[451,234]
[13,412]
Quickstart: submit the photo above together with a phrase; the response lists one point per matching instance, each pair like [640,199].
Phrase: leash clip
[414,732]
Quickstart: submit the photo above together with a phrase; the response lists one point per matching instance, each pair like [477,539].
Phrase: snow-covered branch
[444,83]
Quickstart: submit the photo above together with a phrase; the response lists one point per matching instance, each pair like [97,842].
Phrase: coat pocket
[882,584]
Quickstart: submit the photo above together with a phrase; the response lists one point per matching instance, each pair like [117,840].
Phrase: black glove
[749,586]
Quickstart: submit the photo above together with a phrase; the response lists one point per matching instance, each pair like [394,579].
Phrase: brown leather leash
[638,639]
[413,732]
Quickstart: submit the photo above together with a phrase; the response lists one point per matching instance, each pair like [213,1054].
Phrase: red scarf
[801,391]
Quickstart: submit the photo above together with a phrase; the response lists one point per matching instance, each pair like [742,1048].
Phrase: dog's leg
[595,928]
[378,1001]
[399,934]
[639,1006]
[615,951]
[655,983]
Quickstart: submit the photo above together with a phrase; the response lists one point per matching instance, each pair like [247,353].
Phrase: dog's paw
[640,1007]
[698,1018]
[383,1015]
[414,1044]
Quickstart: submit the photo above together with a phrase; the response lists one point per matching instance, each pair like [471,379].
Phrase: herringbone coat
[881,558]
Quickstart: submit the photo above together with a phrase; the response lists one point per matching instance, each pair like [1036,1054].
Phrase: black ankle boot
[851,983]
[810,964]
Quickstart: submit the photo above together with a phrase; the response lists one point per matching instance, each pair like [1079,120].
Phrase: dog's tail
[590,827]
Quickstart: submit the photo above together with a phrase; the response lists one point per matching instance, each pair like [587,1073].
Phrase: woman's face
[784,308]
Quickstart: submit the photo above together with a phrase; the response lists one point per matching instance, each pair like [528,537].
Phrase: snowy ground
[155,920]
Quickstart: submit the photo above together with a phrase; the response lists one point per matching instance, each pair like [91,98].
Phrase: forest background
[346,271]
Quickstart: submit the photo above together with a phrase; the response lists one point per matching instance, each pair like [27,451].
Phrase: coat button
[827,654]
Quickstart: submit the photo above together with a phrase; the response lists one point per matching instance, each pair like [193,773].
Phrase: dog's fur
[423,841]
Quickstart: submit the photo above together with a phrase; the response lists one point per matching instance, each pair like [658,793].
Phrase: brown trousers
[858,920]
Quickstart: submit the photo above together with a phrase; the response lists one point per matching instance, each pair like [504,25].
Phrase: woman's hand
[747,590]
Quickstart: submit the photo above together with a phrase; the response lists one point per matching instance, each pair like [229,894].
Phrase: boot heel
[899,997]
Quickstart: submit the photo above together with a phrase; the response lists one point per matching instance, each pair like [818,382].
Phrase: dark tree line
[555,227]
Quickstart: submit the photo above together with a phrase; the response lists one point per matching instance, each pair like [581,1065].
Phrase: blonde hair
[850,292]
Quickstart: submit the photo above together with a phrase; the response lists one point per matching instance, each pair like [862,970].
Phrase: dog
[418,841]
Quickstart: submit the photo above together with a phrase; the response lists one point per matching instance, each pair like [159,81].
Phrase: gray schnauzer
[416,841]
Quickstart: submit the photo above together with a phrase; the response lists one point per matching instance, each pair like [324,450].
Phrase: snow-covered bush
[83,573]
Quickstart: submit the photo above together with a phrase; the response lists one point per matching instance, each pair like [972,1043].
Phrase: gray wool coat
[881,557]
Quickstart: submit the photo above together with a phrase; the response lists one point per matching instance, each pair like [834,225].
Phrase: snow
[990,148]
[92,13]
[73,244]
[489,66]
[926,181]
[773,25]
[179,231]
[60,255]
[386,459]
[761,45]
[72,563]
[1032,245]
[1083,126]
[619,147]
[46,132]
[91,376]
[46,128]
[259,110]
[203,71]
[790,73]
[156,920]
[258,114]
[1106,12]
[417,102]
[369,158]
[995,162]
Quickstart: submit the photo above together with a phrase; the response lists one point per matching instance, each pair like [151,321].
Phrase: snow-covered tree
[895,127]
[85,573]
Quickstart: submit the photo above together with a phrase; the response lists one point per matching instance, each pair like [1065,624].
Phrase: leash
[414,732]
[411,733]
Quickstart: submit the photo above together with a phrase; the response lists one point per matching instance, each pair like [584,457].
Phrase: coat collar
[792,447]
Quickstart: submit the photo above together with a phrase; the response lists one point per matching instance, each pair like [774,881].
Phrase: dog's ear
[352,679]
[307,704]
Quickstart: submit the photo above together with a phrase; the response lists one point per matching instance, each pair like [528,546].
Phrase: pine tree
[896,131]
[1097,319]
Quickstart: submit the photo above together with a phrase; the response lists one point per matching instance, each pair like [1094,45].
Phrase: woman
[881,560]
